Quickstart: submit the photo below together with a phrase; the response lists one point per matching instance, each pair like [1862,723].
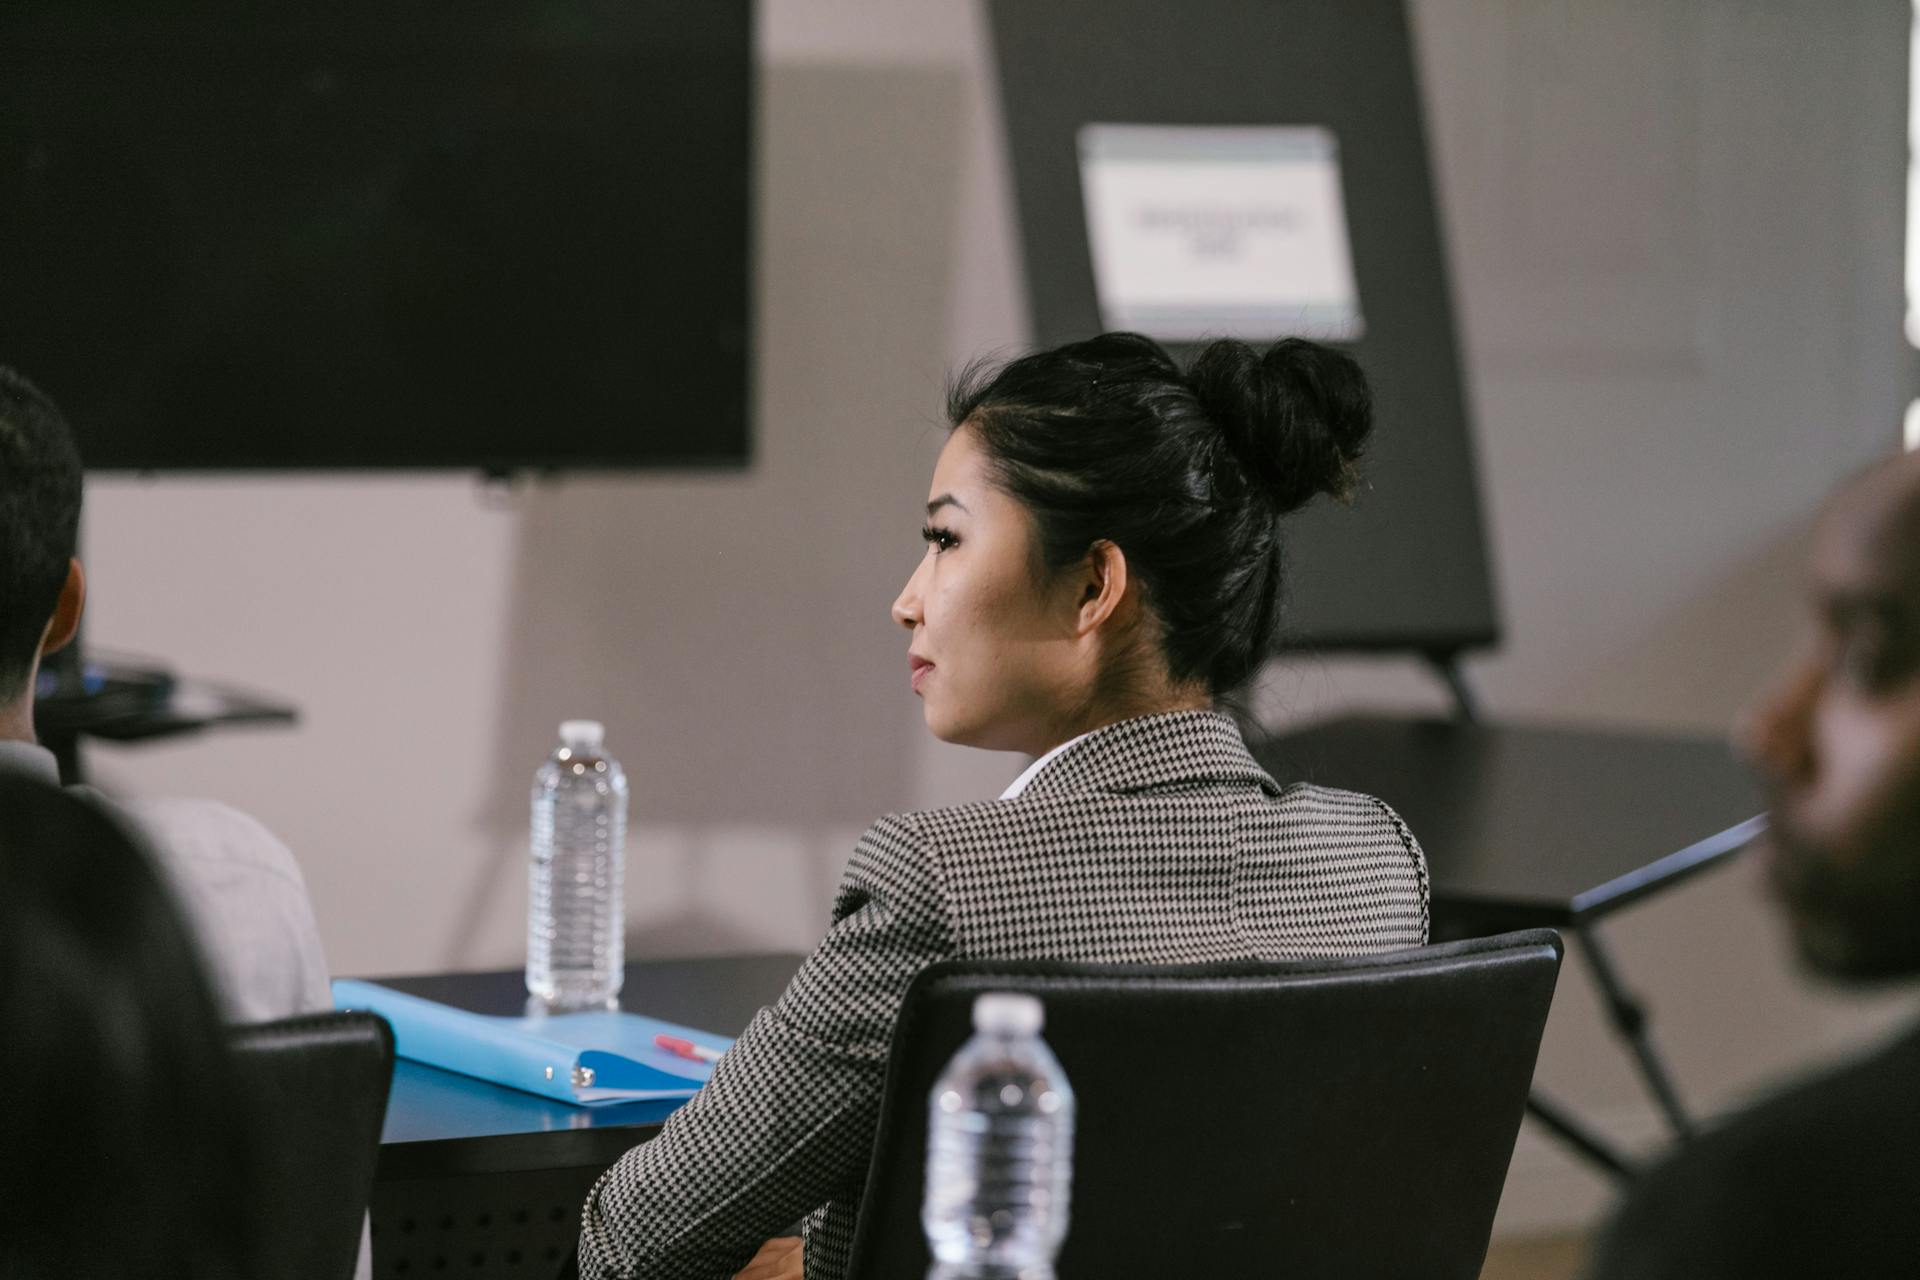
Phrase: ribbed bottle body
[576,944]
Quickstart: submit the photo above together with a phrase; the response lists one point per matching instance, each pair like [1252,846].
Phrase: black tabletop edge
[401,981]
[1665,872]
[1493,726]
[510,1152]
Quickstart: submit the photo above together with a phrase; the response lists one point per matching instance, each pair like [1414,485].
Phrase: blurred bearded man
[1823,1180]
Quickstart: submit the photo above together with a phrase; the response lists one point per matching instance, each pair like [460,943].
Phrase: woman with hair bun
[1103,568]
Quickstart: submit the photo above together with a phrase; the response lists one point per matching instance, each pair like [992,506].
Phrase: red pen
[687,1049]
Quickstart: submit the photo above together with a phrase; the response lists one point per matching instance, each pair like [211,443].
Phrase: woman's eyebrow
[946,500]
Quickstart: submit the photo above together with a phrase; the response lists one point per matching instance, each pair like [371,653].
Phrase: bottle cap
[1007,1013]
[582,737]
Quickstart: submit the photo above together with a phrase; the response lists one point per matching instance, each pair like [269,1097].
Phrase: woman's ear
[1103,586]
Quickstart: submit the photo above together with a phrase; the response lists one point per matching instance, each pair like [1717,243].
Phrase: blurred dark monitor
[497,234]
[1406,566]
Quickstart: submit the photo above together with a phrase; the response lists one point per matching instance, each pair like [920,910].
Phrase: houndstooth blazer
[1151,840]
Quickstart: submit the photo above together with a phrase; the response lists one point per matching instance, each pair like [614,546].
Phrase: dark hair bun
[1297,415]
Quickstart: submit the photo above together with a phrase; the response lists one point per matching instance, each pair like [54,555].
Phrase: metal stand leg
[1630,1020]
[1466,703]
[1576,1135]
[66,754]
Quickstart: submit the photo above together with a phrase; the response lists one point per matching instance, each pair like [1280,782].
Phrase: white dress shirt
[1019,784]
[240,888]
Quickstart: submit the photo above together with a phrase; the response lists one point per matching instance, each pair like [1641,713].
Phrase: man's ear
[1103,586]
[65,623]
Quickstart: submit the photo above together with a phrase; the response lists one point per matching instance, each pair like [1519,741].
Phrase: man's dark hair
[39,522]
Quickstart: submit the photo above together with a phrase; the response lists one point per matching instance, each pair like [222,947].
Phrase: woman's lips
[919,667]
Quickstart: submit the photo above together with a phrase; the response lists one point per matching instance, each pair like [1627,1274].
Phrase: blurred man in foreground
[1823,1180]
[240,886]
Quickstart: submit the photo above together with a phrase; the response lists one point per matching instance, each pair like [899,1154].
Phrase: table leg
[1562,1124]
[1629,1017]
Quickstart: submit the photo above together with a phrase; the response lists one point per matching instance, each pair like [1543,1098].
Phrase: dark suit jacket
[1151,840]
[1821,1181]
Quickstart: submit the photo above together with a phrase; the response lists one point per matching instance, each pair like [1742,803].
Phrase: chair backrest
[320,1085]
[1348,1117]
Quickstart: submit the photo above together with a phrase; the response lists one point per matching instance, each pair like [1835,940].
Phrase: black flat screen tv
[346,234]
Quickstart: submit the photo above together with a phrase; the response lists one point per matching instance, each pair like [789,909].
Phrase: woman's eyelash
[939,537]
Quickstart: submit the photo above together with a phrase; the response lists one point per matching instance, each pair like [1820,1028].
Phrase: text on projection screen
[1236,231]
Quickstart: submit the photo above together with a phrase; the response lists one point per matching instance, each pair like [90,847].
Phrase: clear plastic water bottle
[576,951]
[999,1150]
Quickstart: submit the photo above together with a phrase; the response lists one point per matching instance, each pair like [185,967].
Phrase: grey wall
[1677,243]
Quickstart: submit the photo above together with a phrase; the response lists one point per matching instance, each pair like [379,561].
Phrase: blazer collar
[1153,751]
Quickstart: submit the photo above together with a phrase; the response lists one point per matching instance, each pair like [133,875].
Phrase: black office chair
[1321,1118]
[320,1085]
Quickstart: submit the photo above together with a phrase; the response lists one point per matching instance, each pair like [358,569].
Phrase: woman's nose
[1776,735]
[906,607]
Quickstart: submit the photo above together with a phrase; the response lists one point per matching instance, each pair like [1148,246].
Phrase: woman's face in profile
[995,656]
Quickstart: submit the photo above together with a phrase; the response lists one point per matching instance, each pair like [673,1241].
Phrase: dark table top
[1527,825]
[133,715]
[442,1124]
